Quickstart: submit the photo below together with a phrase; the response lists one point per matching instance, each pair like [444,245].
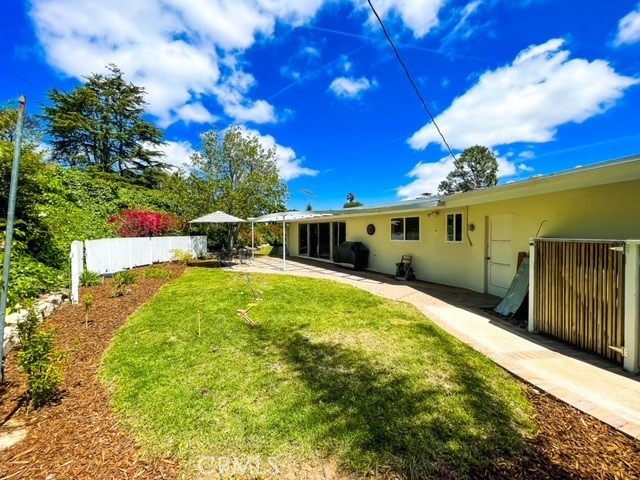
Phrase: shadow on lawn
[380,420]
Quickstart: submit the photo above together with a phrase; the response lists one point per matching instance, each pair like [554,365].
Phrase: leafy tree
[32,128]
[241,175]
[234,173]
[351,201]
[99,125]
[476,168]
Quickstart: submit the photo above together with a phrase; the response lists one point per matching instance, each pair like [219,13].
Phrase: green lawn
[330,373]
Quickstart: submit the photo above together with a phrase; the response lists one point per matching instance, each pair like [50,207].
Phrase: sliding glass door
[319,240]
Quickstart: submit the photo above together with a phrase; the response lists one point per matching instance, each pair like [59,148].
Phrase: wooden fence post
[631,307]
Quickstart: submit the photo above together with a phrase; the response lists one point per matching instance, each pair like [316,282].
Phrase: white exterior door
[499,259]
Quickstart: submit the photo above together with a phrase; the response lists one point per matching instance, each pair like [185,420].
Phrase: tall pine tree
[477,167]
[99,125]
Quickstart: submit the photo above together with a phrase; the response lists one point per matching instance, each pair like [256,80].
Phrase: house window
[454,227]
[405,228]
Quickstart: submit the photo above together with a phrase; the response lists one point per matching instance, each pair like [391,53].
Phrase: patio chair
[404,271]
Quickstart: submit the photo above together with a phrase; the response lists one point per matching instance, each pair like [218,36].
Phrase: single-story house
[473,240]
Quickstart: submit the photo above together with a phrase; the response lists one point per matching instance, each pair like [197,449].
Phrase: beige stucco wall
[602,212]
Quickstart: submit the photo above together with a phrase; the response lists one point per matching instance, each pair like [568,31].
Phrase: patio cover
[282,217]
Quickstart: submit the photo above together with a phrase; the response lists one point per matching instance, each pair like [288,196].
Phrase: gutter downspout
[466,222]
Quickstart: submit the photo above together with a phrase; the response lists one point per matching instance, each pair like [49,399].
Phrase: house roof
[615,171]
[287,216]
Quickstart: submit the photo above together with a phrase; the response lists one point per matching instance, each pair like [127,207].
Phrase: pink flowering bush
[144,223]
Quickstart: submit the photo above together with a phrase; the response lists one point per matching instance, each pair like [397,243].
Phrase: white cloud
[525,168]
[177,154]
[420,16]
[468,10]
[176,49]
[527,100]
[259,111]
[350,87]
[196,113]
[287,161]
[629,28]
[311,52]
[427,176]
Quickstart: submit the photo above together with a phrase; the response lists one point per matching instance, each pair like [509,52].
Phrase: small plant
[90,279]
[122,282]
[157,273]
[88,302]
[254,291]
[29,326]
[181,256]
[41,362]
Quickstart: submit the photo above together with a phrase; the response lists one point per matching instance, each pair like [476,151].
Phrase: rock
[10,339]
[47,309]
[16,317]
[11,437]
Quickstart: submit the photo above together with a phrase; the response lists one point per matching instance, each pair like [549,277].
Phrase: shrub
[158,273]
[28,278]
[88,302]
[29,326]
[181,256]
[144,223]
[38,359]
[122,282]
[90,279]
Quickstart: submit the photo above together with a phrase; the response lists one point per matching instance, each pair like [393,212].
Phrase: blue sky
[549,85]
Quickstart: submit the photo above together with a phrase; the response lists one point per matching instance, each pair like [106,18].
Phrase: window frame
[404,229]
[455,231]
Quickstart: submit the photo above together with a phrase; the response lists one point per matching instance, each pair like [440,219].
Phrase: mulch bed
[78,437]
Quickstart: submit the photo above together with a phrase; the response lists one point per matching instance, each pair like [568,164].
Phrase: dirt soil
[79,438]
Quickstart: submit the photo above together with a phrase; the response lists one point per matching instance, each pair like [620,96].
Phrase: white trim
[446,233]
[404,229]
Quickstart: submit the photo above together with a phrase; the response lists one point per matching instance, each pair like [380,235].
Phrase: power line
[22,78]
[413,84]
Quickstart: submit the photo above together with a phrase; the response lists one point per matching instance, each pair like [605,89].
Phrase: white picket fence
[111,255]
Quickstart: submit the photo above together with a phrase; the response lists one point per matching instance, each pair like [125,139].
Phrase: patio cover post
[284,242]
[253,243]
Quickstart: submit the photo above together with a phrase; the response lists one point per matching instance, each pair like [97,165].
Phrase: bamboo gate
[579,293]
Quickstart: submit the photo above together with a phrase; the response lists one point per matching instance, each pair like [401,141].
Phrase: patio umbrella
[219,217]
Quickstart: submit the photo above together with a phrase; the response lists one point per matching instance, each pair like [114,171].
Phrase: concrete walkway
[585,381]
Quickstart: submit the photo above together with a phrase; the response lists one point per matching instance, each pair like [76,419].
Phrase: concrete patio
[587,382]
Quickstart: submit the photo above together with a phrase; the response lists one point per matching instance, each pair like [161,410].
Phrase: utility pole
[13,193]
